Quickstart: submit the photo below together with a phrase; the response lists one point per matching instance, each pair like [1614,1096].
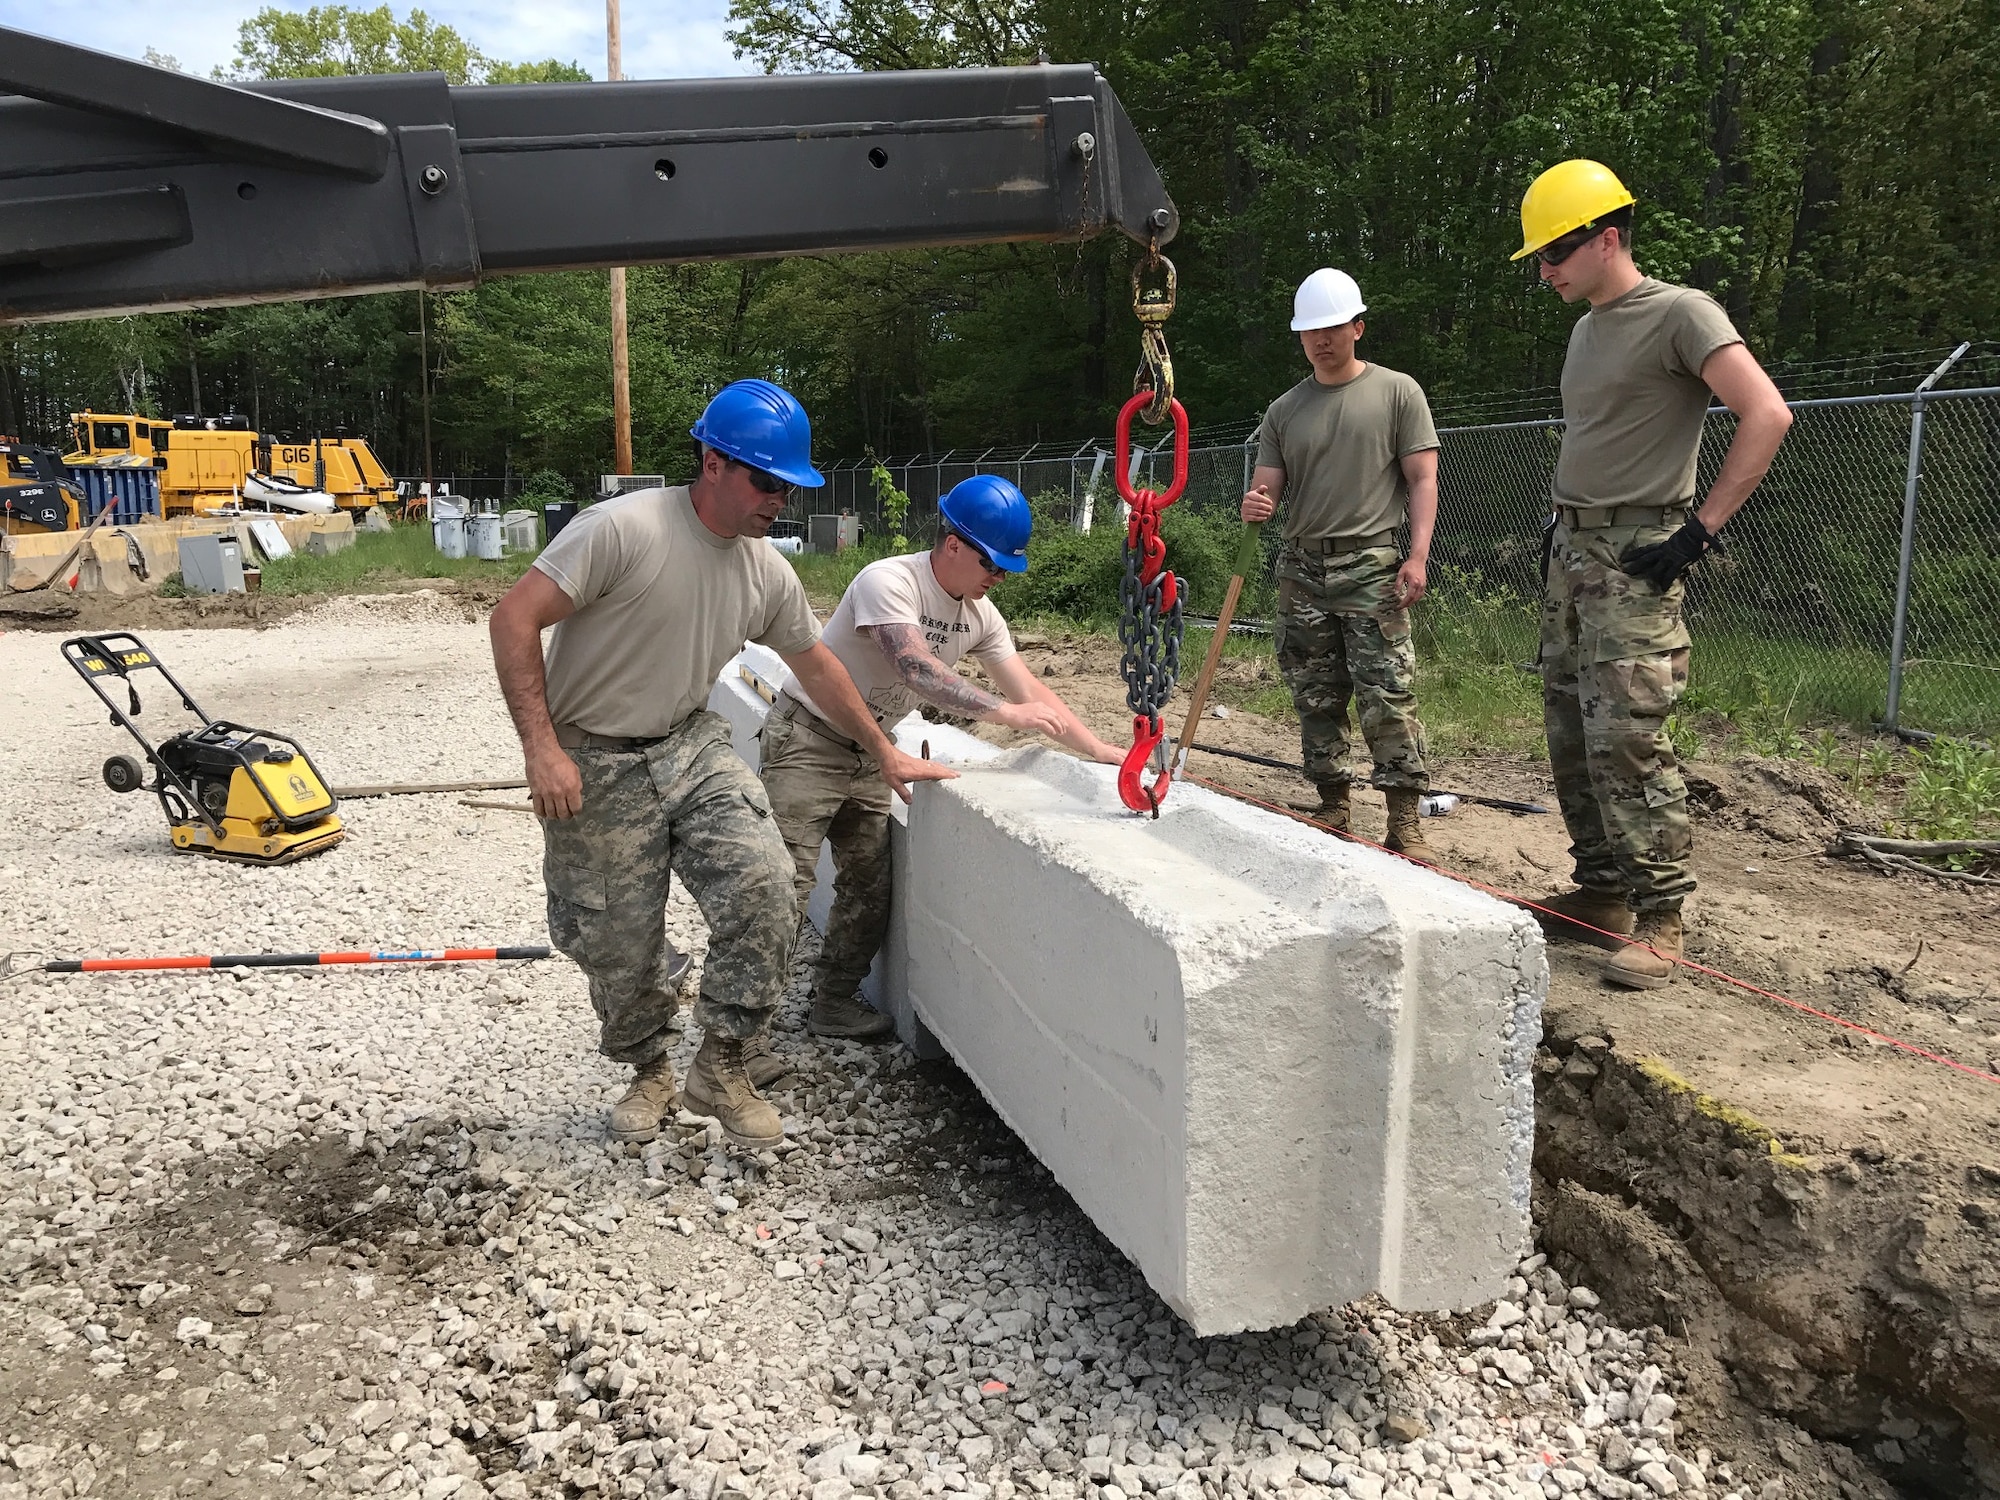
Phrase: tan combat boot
[847,1020]
[1335,807]
[652,1096]
[1406,827]
[1574,913]
[1649,961]
[763,1066]
[718,1087]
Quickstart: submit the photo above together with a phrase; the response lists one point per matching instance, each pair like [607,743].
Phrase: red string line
[1687,963]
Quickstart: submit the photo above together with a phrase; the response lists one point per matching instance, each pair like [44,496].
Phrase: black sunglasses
[985,560]
[763,482]
[1560,250]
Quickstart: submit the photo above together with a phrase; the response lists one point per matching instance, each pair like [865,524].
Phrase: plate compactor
[228,790]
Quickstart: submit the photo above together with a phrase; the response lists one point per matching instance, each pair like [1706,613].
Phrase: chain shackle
[1152,304]
[1122,458]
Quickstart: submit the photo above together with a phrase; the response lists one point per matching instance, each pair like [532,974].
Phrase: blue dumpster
[134,493]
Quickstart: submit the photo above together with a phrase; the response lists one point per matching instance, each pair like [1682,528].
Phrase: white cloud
[663,38]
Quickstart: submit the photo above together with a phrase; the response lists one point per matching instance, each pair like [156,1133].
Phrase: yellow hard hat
[1568,196]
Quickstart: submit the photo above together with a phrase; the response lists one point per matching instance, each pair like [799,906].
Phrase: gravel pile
[334,1231]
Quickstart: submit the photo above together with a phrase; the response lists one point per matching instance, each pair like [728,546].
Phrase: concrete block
[1278,1070]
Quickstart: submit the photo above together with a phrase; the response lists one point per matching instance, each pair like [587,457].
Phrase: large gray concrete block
[1278,1070]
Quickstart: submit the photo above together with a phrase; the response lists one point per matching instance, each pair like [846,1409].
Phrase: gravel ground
[272,1233]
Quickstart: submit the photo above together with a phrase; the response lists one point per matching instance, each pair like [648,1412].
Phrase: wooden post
[1246,559]
[621,369]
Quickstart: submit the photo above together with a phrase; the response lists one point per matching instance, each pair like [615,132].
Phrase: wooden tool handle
[1246,559]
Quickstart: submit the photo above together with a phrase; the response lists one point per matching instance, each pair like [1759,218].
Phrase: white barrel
[448,532]
[484,536]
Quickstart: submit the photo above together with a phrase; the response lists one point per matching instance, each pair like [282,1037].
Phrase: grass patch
[378,560]
[826,575]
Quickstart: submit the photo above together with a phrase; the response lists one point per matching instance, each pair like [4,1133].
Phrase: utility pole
[621,367]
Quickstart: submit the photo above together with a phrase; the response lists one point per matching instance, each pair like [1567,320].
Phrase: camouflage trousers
[686,806]
[1342,636]
[1614,663]
[823,790]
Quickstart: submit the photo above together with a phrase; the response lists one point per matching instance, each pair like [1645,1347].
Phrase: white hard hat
[1326,299]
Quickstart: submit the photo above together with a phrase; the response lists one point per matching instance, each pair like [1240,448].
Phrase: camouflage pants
[823,791]
[687,806]
[1342,636]
[1614,663]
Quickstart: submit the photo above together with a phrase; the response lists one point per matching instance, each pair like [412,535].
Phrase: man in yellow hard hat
[1636,383]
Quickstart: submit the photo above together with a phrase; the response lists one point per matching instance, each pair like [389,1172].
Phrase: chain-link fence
[1800,615]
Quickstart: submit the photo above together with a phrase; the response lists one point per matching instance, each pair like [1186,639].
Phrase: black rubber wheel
[123,774]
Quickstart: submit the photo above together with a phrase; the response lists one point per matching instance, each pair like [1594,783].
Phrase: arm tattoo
[926,676]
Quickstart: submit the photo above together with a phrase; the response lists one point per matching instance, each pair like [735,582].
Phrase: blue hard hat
[762,425]
[993,515]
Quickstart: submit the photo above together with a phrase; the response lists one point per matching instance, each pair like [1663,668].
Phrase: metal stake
[1908,555]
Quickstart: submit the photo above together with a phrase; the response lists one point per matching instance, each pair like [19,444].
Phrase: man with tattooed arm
[899,629]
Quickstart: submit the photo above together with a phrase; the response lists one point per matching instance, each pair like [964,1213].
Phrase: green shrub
[1077,576]
[545,485]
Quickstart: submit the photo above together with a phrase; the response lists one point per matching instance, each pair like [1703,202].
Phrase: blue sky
[663,38]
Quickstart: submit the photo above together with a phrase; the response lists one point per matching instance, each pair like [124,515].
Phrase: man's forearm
[1744,466]
[517,661]
[929,678]
[827,683]
[1076,734]
[1423,517]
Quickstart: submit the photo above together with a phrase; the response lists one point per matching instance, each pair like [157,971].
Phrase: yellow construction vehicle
[35,495]
[206,463]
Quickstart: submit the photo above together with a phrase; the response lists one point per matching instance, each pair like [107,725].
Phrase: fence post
[1906,559]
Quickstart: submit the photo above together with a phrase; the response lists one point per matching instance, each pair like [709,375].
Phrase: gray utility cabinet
[833,533]
[211,565]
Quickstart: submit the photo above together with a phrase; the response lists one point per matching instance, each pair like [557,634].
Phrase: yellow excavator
[35,493]
[206,463]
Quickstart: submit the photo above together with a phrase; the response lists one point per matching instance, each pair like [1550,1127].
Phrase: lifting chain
[1149,611]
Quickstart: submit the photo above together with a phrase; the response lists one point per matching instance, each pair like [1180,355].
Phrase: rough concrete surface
[1217,1018]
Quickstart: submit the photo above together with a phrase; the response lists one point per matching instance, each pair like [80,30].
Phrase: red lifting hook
[1132,790]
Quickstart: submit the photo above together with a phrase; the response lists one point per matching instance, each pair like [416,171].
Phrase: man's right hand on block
[899,770]
[555,786]
[1258,506]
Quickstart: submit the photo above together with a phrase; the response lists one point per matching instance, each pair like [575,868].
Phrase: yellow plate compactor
[228,790]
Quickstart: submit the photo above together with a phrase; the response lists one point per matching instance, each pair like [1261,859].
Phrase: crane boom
[129,188]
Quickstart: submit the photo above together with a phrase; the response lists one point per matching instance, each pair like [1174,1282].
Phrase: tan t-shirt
[1633,397]
[1342,447]
[662,603]
[904,591]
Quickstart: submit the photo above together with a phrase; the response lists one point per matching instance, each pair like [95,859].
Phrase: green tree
[330,41]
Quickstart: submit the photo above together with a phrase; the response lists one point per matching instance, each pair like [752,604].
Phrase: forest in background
[1825,167]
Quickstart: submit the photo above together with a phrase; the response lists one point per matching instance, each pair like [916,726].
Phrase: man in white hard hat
[1351,453]
[1642,366]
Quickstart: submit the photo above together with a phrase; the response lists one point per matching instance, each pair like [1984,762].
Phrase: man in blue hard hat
[650,595]
[899,630]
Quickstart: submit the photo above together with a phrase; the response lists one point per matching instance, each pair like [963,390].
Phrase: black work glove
[1663,562]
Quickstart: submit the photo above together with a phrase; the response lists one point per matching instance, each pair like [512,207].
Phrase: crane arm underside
[129,188]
